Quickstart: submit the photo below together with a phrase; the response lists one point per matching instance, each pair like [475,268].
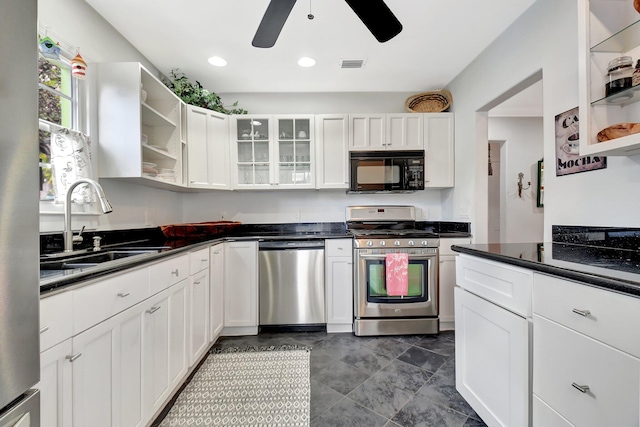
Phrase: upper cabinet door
[404,132]
[207,149]
[295,157]
[439,150]
[367,132]
[332,151]
[251,152]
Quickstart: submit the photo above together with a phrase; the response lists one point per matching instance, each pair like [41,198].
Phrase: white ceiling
[440,37]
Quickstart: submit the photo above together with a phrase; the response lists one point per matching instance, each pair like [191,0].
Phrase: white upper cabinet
[439,150]
[269,152]
[332,151]
[404,132]
[139,122]
[607,30]
[207,149]
[385,132]
[366,132]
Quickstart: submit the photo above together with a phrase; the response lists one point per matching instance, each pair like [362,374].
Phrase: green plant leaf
[196,94]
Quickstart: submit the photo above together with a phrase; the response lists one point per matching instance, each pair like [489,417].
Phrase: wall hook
[520,187]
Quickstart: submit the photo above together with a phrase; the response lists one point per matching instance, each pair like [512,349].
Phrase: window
[57,103]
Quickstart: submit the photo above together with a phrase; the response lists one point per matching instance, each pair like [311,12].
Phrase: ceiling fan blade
[378,18]
[272,23]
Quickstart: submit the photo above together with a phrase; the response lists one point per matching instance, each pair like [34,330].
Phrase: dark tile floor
[394,381]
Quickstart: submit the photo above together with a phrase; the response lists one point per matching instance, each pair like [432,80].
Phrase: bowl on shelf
[149,169]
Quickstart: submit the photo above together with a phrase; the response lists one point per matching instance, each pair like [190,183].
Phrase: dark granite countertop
[56,280]
[611,268]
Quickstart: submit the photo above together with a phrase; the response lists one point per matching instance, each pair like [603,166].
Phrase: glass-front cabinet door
[273,152]
[294,151]
[252,151]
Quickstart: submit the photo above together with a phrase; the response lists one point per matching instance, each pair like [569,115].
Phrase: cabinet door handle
[580,388]
[44,329]
[216,252]
[583,313]
[204,260]
[175,272]
[196,283]
[73,357]
[153,309]
[123,294]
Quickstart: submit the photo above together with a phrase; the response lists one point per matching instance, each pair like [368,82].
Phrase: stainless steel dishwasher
[292,283]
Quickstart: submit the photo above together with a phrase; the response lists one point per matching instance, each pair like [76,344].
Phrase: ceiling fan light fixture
[306,62]
[217,61]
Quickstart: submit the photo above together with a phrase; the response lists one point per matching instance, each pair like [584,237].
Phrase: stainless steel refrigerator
[19,251]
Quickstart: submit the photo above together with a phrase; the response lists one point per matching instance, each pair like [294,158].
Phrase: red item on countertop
[195,229]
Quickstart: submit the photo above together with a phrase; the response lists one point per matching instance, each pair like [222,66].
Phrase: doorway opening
[513,147]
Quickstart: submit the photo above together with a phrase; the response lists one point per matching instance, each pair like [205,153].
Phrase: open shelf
[622,41]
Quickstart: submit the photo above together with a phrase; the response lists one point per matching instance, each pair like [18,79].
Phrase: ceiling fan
[374,14]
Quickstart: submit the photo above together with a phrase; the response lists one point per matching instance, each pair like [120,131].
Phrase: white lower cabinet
[240,288]
[492,360]
[55,385]
[198,315]
[339,285]
[120,371]
[586,366]
[493,339]
[216,291]
[447,281]
[164,343]
[107,372]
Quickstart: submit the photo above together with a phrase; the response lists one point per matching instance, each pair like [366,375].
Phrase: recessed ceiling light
[217,61]
[305,61]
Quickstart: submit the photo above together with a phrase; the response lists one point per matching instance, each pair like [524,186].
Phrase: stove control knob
[397,243]
[424,243]
[411,243]
[369,243]
[383,243]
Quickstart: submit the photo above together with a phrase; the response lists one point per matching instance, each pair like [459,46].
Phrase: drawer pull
[580,388]
[204,260]
[123,294]
[44,329]
[153,309]
[175,272]
[196,283]
[583,313]
[73,357]
[216,252]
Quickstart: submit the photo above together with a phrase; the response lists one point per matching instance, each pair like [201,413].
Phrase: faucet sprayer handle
[79,238]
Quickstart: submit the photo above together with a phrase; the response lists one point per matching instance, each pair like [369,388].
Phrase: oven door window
[418,282]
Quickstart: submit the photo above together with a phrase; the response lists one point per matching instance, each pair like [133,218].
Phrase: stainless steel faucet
[104,204]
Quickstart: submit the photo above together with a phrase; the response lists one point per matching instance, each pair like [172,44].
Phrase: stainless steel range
[381,231]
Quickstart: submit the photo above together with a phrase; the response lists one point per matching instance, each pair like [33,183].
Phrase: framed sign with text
[568,158]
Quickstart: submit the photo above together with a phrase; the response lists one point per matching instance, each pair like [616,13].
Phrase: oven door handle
[412,257]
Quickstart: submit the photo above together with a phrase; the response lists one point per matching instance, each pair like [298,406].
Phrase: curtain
[70,160]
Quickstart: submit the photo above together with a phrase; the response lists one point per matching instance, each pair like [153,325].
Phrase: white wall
[543,38]
[521,220]
[75,23]
[298,205]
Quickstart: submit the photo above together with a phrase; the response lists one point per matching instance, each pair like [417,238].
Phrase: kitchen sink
[93,259]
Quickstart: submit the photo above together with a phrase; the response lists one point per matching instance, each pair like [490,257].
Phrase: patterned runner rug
[258,386]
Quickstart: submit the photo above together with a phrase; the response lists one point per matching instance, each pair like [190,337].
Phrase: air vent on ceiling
[352,63]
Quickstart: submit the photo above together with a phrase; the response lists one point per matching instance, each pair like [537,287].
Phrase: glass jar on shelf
[620,72]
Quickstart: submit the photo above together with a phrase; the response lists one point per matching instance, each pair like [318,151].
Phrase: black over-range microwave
[386,171]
